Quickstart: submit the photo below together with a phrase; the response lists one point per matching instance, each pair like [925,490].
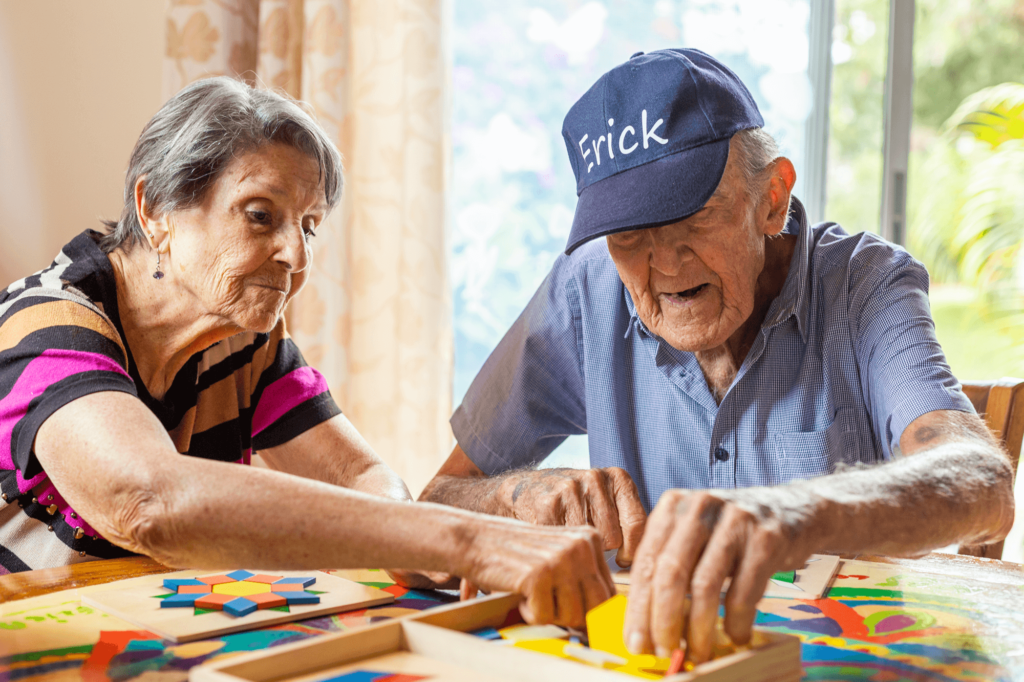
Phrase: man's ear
[154,226]
[783,177]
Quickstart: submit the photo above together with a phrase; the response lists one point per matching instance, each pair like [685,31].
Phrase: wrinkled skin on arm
[130,484]
[953,484]
[606,499]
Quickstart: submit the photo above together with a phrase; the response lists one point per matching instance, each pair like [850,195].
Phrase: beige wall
[78,80]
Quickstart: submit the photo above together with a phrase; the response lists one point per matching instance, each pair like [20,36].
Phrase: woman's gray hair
[196,134]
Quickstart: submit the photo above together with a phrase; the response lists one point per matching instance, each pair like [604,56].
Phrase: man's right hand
[606,499]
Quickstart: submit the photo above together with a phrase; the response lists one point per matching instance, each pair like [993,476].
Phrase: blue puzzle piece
[180,601]
[239,575]
[486,633]
[240,607]
[173,583]
[359,676]
[298,582]
[299,597]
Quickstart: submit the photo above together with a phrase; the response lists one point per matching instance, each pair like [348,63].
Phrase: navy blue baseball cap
[649,141]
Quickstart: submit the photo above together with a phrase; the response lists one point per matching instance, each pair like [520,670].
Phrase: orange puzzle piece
[214,601]
[268,600]
[263,578]
[216,579]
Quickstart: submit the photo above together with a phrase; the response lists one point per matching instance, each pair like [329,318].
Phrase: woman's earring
[158,274]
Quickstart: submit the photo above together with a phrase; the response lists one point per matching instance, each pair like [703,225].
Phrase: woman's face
[244,252]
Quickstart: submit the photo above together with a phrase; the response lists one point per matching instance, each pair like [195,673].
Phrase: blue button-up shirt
[846,359]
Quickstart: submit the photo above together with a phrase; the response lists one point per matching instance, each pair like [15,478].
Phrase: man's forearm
[959,492]
[476,493]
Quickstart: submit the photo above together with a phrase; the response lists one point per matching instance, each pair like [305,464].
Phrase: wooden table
[943,617]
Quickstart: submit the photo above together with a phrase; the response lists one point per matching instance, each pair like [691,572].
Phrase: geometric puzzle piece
[359,676]
[172,584]
[604,626]
[240,606]
[194,589]
[785,576]
[300,598]
[179,601]
[240,575]
[605,623]
[402,677]
[215,579]
[263,578]
[268,600]
[287,587]
[241,589]
[296,582]
[213,601]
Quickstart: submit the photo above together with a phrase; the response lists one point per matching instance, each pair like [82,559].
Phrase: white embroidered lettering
[650,134]
[611,149]
[597,148]
[585,152]
[622,137]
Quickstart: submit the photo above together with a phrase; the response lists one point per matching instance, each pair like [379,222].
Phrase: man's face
[693,282]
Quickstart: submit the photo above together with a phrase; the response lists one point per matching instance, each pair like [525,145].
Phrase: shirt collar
[793,300]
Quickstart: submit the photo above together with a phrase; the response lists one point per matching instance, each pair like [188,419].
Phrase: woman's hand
[560,572]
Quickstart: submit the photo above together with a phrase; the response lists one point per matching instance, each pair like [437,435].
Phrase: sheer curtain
[375,317]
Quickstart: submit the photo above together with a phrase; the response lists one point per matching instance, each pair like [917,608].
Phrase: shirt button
[721,454]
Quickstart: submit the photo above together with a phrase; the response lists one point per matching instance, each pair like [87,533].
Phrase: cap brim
[654,194]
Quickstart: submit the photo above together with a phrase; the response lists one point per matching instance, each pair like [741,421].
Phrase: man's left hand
[693,542]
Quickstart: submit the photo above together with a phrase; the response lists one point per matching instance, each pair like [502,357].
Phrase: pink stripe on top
[291,390]
[49,367]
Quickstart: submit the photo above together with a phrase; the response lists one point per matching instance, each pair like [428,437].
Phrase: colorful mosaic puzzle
[238,593]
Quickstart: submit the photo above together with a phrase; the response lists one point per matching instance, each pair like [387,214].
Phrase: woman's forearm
[273,520]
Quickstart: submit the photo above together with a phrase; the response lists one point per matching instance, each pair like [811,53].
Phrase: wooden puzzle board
[440,638]
[813,580]
[137,604]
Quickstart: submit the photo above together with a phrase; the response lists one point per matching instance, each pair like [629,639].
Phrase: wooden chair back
[1001,404]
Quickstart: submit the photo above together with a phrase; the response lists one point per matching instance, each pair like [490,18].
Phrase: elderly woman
[141,369]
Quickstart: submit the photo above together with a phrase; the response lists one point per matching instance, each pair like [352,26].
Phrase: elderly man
[719,351]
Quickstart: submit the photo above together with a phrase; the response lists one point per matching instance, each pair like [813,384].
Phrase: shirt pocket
[806,454]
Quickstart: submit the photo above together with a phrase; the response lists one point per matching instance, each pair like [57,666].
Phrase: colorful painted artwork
[238,593]
[885,623]
[55,635]
[375,676]
[879,622]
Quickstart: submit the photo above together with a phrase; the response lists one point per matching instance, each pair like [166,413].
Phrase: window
[517,70]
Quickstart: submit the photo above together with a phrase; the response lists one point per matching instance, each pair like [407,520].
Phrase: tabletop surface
[943,617]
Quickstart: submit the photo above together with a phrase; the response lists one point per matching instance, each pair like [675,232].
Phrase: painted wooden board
[139,604]
[435,640]
[813,580]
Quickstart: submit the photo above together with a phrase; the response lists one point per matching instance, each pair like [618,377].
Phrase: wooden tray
[434,644]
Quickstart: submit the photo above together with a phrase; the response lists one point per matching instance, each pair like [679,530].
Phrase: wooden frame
[440,635]
[1001,405]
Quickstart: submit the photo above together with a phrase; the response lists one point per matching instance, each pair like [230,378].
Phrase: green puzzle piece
[785,576]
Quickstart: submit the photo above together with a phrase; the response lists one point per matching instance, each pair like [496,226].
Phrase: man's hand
[694,541]
[606,499]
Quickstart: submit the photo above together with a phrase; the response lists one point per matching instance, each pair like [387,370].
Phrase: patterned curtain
[375,317]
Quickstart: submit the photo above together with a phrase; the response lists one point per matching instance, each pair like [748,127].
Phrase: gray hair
[758,150]
[196,134]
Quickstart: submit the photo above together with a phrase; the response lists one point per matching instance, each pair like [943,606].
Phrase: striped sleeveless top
[61,339]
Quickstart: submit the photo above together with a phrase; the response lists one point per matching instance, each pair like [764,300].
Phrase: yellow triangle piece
[605,623]
[552,647]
